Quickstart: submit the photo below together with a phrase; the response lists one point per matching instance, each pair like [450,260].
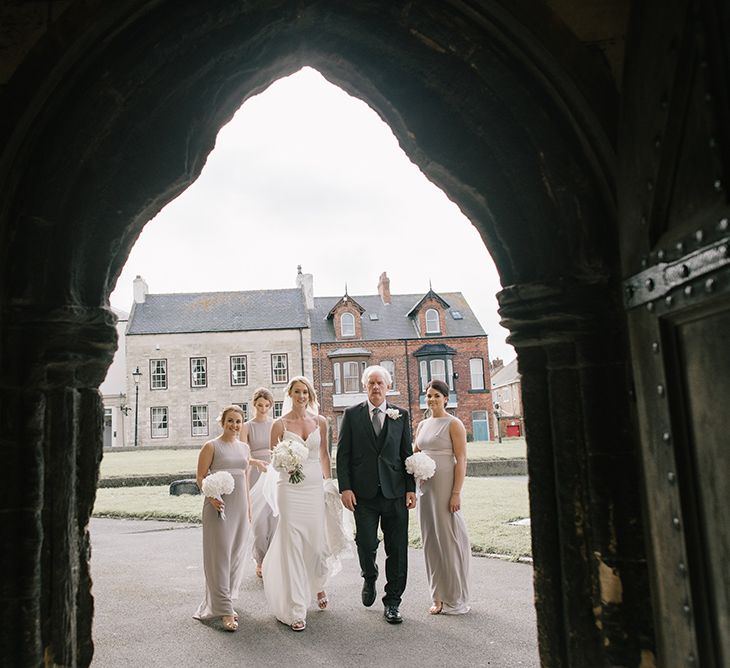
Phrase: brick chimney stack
[496,364]
[384,288]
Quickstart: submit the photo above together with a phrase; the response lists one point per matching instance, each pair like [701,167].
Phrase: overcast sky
[306,175]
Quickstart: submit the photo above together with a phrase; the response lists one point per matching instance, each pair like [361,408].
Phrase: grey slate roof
[219,312]
[393,321]
[507,375]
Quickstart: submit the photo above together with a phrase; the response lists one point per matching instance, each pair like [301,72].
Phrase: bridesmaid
[223,539]
[258,437]
[446,546]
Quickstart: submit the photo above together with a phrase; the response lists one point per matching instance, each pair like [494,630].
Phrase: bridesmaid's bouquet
[289,456]
[216,485]
[420,466]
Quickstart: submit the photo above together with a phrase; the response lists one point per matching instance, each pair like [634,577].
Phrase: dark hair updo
[440,387]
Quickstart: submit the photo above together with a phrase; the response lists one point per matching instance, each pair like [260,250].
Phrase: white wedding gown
[295,567]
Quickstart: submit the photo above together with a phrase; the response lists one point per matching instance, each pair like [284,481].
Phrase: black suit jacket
[365,461]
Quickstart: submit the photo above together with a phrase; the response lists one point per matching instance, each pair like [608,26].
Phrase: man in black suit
[375,439]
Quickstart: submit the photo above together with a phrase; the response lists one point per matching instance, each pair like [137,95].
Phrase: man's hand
[348,499]
[410,500]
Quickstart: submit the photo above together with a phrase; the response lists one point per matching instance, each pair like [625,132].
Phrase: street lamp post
[497,415]
[137,376]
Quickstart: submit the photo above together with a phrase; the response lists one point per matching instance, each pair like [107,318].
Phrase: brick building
[418,337]
[193,353]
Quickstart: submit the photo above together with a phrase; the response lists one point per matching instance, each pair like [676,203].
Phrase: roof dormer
[429,315]
[346,318]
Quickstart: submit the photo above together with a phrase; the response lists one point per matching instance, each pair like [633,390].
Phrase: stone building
[194,353]
[507,398]
[199,352]
[417,337]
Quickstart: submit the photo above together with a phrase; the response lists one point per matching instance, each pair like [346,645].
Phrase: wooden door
[675,251]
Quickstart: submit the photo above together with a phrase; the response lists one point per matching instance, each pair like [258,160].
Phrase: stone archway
[113,115]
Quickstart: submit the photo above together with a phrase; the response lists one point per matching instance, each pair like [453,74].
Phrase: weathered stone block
[186,486]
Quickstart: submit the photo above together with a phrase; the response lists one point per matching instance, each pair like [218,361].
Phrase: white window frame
[430,313]
[278,409]
[159,422]
[198,372]
[349,329]
[239,370]
[350,377]
[199,420]
[158,374]
[423,365]
[390,366]
[336,374]
[476,375]
[437,375]
[279,372]
[244,407]
[450,373]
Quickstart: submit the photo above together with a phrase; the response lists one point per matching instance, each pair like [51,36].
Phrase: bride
[296,565]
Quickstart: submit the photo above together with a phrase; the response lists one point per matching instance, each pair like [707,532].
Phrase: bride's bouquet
[420,466]
[216,485]
[289,456]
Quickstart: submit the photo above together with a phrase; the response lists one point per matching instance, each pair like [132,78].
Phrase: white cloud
[305,174]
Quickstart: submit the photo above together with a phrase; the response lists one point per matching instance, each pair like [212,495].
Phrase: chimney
[496,364]
[140,290]
[305,282]
[384,288]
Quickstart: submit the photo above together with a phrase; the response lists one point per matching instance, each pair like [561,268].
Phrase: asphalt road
[148,581]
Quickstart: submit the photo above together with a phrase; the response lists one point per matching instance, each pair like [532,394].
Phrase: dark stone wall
[113,113]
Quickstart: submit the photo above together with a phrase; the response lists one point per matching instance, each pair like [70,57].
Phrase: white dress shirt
[381,415]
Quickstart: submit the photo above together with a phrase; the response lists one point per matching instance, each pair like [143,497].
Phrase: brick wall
[406,390]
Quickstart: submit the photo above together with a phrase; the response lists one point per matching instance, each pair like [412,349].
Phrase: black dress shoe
[368,593]
[392,614]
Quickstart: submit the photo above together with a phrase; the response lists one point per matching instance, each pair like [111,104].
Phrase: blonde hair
[262,392]
[228,409]
[310,389]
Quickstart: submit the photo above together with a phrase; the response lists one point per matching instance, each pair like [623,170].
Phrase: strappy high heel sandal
[436,608]
[299,625]
[322,600]
[230,623]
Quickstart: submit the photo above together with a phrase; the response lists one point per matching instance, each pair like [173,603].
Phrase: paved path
[148,581]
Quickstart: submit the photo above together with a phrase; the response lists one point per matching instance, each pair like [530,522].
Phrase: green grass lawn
[162,461]
[148,462]
[488,505]
[513,448]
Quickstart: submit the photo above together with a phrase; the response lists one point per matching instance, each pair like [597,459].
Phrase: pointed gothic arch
[113,114]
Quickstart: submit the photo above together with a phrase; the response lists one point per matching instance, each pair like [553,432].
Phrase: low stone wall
[496,467]
[144,480]
[477,469]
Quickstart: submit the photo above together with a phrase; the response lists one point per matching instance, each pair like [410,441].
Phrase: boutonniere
[392,413]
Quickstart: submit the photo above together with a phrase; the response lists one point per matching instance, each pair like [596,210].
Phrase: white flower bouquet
[420,466]
[289,456]
[216,485]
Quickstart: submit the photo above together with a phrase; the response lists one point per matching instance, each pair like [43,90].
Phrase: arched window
[347,324]
[433,326]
